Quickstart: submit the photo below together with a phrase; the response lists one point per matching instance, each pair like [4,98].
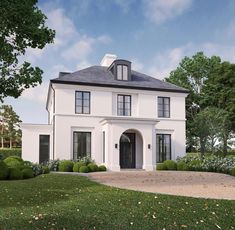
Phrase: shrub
[13,161]
[102,168]
[6,152]
[182,166]
[37,169]
[78,165]
[66,166]
[195,165]
[4,171]
[15,174]
[53,165]
[83,169]
[233,172]
[161,166]
[27,173]
[93,167]
[170,164]
[87,160]
[45,169]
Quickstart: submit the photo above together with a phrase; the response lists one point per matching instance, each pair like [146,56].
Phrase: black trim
[123,95]
[159,150]
[79,91]
[118,86]
[164,115]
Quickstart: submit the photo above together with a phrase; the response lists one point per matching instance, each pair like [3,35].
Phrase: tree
[10,121]
[192,74]
[22,26]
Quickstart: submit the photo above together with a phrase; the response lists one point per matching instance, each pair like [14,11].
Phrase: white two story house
[119,117]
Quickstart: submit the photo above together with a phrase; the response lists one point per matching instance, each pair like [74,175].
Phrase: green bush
[233,172]
[45,170]
[15,174]
[4,153]
[194,165]
[182,166]
[78,165]
[161,166]
[102,168]
[66,166]
[13,161]
[27,173]
[4,171]
[84,169]
[170,165]
[93,167]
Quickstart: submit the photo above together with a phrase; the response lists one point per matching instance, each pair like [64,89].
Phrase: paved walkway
[193,184]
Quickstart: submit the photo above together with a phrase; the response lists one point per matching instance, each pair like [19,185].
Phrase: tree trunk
[10,143]
[2,143]
[203,146]
[225,145]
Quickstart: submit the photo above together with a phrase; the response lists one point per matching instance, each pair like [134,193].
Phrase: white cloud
[165,62]
[136,64]
[159,11]
[83,65]
[63,25]
[37,94]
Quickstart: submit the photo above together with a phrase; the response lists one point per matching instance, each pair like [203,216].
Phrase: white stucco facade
[103,121]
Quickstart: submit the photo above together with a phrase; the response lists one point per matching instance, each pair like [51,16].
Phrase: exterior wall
[103,117]
[30,140]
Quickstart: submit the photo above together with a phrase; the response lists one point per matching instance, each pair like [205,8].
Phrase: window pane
[163,150]
[160,100]
[163,107]
[125,72]
[86,110]
[86,96]
[160,113]
[78,102]
[86,103]
[78,109]
[79,95]
[166,101]
[127,112]
[81,144]
[120,98]
[119,72]
[127,99]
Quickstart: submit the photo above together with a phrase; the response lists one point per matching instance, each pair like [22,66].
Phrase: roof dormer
[121,70]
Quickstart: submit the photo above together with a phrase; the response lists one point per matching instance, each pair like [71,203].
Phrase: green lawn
[74,202]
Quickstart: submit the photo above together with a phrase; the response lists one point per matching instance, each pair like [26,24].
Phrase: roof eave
[119,86]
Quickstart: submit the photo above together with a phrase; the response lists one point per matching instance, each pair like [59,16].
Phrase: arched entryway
[131,149]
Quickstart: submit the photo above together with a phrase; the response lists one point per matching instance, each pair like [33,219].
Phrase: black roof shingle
[101,76]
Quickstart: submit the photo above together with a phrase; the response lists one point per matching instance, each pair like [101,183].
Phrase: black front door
[127,150]
[44,148]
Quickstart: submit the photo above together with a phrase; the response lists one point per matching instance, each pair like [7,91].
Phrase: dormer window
[122,72]
[121,69]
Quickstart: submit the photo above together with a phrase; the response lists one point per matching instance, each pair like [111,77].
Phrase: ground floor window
[81,145]
[163,147]
[44,148]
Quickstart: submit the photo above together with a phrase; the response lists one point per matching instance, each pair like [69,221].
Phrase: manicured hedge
[4,153]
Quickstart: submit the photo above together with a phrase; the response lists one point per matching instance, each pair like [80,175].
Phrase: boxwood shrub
[161,166]
[27,173]
[45,169]
[15,174]
[78,165]
[102,168]
[13,161]
[182,166]
[93,167]
[4,171]
[233,172]
[66,166]
[84,169]
[170,164]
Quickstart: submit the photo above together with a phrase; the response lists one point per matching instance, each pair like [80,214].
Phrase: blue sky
[154,34]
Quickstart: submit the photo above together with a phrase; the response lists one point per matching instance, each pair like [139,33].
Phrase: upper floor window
[163,107]
[122,72]
[82,102]
[124,105]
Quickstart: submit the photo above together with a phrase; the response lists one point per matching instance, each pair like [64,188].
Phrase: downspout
[53,123]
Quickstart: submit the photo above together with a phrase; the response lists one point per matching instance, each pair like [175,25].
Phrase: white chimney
[108,59]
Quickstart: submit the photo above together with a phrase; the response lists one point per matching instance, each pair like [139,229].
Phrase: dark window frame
[41,143]
[158,147]
[79,91]
[74,132]
[122,72]
[164,108]
[123,109]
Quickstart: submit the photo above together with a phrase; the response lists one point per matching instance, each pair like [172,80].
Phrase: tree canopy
[22,26]
[210,105]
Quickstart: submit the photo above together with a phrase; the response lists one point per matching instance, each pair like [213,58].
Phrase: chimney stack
[108,59]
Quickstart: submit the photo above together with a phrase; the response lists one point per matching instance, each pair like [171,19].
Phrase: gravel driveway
[193,184]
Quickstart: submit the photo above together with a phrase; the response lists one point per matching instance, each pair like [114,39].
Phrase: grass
[56,201]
